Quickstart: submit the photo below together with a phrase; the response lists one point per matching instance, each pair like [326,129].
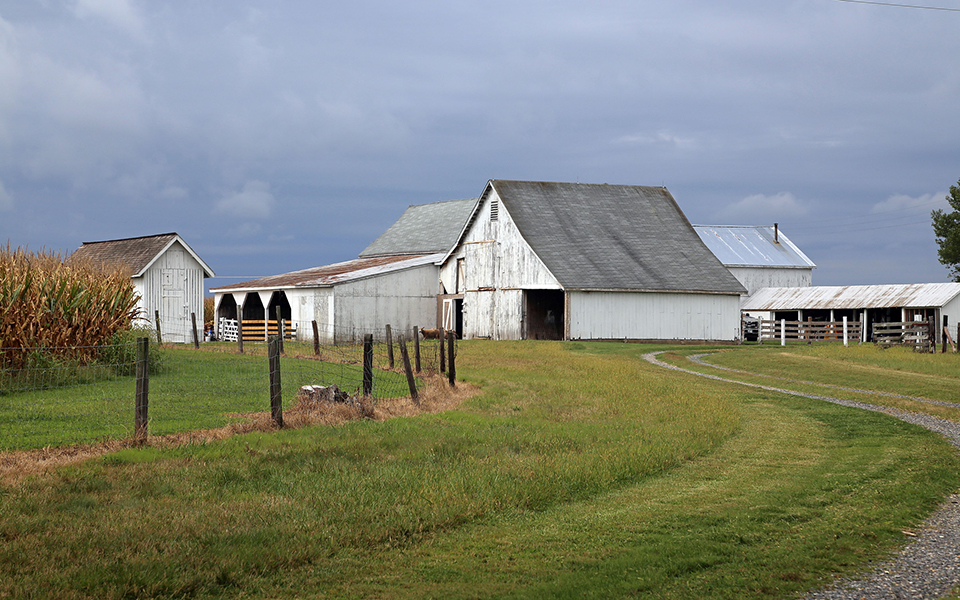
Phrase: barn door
[449,320]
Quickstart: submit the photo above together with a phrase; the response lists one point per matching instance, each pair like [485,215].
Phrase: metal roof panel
[916,295]
[744,246]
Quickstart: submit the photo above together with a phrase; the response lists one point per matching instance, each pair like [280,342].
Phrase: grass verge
[580,470]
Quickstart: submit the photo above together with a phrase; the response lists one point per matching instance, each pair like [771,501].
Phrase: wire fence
[54,401]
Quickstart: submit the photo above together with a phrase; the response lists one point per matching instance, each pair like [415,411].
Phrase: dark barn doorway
[544,311]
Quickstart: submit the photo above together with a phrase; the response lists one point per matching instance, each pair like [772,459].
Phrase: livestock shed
[870,304]
[759,257]
[541,260]
[166,273]
[393,282]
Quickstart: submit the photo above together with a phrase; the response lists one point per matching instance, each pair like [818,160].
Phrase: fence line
[54,402]
[810,331]
[919,334]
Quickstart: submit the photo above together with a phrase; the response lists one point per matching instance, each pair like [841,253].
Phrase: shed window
[494,210]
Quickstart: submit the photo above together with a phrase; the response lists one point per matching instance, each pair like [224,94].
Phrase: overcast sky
[279,135]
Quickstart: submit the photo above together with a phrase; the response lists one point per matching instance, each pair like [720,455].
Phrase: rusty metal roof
[329,275]
[909,295]
[759,246]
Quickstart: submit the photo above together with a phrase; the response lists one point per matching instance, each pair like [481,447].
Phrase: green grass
[579,471]
[195,390]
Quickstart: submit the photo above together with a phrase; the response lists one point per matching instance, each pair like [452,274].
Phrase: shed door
[173,307]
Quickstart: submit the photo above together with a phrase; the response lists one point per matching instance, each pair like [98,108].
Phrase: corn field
[67,307]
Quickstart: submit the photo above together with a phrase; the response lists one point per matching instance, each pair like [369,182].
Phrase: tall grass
[56,308]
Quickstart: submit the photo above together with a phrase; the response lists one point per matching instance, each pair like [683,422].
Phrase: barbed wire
[53,401]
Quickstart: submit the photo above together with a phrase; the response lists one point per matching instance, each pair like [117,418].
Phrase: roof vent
[494,210]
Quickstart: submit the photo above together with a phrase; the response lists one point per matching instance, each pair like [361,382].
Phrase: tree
[946,226]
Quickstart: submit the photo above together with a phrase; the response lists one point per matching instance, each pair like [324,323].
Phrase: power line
[901,5]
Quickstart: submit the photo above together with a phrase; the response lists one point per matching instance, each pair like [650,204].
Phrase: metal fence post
[443,359]
[389,347]
[451,364]
[411,382]
[368,365]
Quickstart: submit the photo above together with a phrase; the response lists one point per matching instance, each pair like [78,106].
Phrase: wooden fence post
[411,382]
[416,348]
[239,330]
[783,332]
[845,332]
[389,347]
[276,400]
[946,328]
[196,340]
[451,364]
[443,359]
[156,316]
[316,339]
[140,412]
[368,365]
[279,327]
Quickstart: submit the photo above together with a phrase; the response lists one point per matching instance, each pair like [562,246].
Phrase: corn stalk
[62,308]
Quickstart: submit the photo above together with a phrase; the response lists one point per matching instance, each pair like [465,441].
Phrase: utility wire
[901,5]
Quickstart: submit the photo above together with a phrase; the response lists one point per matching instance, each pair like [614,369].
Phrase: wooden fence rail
[810,331]
[918,334]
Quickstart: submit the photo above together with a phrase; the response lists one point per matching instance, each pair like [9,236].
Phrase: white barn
[166,273]
[582,261]
[395,281]
[759,257]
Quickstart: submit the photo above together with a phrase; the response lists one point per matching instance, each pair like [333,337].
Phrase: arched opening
[252,307]
[227,308]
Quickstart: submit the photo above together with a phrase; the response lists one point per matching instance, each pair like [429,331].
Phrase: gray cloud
[831,118]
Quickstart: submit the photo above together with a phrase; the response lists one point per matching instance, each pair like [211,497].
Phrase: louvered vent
[494,210]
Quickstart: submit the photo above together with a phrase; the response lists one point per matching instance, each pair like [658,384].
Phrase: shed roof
[137,253]
[745,246]
[910,295]
[613,237]
[329,275]
[423,229]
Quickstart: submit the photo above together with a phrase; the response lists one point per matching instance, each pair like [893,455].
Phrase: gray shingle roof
[616,237]
[135,253]
[423,229]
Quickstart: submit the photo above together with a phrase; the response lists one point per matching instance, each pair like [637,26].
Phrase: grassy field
[194,390]
[579,471]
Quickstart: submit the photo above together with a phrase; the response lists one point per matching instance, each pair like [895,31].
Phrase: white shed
[582,261]
[166,273]
[759,257]
[888,303]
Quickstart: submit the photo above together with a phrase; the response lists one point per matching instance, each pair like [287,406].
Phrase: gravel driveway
[928,567]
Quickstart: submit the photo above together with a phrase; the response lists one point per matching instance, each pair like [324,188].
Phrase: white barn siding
[173,285]
[653,316]
[401,299]
[499,265]
[756,278]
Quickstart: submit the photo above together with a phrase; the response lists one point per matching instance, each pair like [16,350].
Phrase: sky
[280,135]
